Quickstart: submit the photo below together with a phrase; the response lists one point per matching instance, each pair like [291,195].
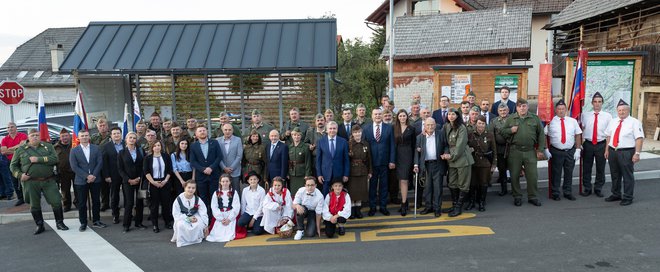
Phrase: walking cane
[415,199]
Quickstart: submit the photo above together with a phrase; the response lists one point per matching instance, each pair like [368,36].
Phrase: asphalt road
[584,235]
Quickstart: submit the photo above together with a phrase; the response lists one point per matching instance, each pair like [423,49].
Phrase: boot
[59,218]
[39,220]
[358,212]
[471,198]
[404,209]
[482,199]
[353,213]
[458,209]
[454,199]
[503,190]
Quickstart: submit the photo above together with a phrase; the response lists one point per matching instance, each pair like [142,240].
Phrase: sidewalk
[647,169]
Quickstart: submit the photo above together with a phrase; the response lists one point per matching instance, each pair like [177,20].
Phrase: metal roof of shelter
[195,47]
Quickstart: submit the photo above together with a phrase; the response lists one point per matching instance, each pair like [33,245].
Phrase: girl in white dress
[225,206]
[276,206]
[190,217]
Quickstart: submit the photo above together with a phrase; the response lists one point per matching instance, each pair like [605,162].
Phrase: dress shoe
[156,229]
[82,228]
[437,213]
[482,206]
[517,202]
[625,202]
[555,198]
[585,193]
[612,198]
[115,220]
[99,225]
[372,212]
[10,197]
[39,229]
[353,212]
[569,197]
[404,209]
[126,229]
[358,213]
[599,194]
[341,231]
[19,202]
[426,211]
[140,226]
[534,202]
[3,197]
[168,226]
[61,226]
[384,211]
[66,208]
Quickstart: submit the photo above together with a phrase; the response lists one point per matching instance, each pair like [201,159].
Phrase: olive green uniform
[42,179]
[496,126]
[522,151]
[289,126]
[254,159]
[311,138]
[461,160]
[64,173]
[358,182]
[263,130]
[365,120]
[100,139]
[300,165]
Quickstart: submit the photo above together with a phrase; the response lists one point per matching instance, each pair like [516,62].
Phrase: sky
[25,19]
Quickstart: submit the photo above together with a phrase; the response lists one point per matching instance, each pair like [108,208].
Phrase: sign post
[11,93]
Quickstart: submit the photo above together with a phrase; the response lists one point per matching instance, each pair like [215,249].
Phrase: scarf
[272,194]
[230,194]
[337,205]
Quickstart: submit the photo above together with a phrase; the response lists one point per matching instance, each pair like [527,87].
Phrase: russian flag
[579,84]
[43,126]
[124,129]
[136,111]
[79,119]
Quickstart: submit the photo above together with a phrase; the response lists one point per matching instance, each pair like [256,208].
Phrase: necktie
[594,138]
[377,133]
[332,147]
[348,129]
[563,131]
[272,148]
[444,116]
[615,142]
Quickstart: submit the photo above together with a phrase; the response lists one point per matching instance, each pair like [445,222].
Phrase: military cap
[621,103]
[319,116]
[296,129]
[63,131]
[32,130]
[256,112]
[502,106]
[596,95]
[475,109]
[471,93]
[560,103]
[361,106]
[521,101]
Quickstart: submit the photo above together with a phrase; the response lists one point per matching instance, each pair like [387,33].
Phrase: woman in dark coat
[404,138]
[158,171]
[361,170]
[484,150]
[254,157]
[129,165]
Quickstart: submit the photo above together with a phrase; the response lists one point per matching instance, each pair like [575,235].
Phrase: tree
[252,83]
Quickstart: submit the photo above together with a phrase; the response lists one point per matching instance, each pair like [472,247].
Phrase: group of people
[271,181]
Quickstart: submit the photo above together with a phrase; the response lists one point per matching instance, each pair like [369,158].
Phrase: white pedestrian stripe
[94,251]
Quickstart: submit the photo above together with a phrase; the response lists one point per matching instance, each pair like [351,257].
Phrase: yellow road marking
[453,231]
[274,240]
[441,219]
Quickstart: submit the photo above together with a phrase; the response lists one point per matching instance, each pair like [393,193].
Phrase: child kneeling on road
[336,209]
[251,201]
[308,204]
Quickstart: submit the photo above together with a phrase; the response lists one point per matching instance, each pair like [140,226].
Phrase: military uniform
[254,159]
[300,165]
[100,139]
[312,138]
[522,152]
[459,173]
[496,126]
[64,173]
[483,152]
[358,182]
[42,180]
[365,120]
[289,126]
[263,130]
[171,144]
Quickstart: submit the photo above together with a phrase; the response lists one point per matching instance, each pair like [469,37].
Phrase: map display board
[613,79]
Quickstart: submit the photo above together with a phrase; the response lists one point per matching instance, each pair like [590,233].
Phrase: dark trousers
[621,168]
[562,160]
[378,187]
[160,197]
[115,187]
[592,152]
[310,229]
[131,199]
[176,183]
[93,189]
[66,179]
[331,228]
[6,180]
[18,188]
[205,188]
[433,185]
[501,166]
[105,193]
[244,221]
[392,184]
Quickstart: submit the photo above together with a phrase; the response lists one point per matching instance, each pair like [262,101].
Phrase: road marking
[94,251]
[441,219]
[452,231]
[274,240]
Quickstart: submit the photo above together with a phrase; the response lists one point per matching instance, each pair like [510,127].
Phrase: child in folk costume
[276,206]
[251,200]
[190,217]
[225,206]
[336,209]
[308,204]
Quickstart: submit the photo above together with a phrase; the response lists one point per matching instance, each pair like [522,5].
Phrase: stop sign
[11,92]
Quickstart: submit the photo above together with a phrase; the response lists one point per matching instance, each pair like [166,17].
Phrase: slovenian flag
[79,119]
[136,111]
[43,126]
[124,129]
[579,84]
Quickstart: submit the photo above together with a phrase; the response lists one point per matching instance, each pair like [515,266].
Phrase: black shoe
[99,225]
[58,213]
[470,205]
[61,226]
[598,194]
[40,228]
[534,202]
[569,197]
[126,229]
[168,226]
[437,213]
[156,229]
[4,197]
[384,211]
[586,193]
[82,228]
[625,202]
[404,209]
[66,208]
[39,220]
[19,203]
[115,220]
[341,231]
[458,210]
[555,198]
[517,202]
[612,198]
[503,190]
[140,226]
[358,213]
[396,201]
[482,206]
[426,211]
[372,212]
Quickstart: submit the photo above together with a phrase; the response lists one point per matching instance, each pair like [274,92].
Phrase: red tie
[615,142]
[594,139]
[563,131]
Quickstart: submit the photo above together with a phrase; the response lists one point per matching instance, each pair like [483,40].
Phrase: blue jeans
[6,181]
[378,185]
[244,221]
[83,190]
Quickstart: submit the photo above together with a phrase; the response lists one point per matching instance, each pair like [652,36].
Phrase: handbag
[143,191]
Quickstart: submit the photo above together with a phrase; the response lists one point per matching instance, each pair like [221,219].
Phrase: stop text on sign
[10,93]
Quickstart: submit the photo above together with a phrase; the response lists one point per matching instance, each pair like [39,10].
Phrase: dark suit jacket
[212,160]
[437,115]
[277,164]
[510,104]
[147,167]
[82,168]
[491,117]
[329,166]
[110,161]
[441,148]
[382,152]
[341,130]
[127,168]
[418,127]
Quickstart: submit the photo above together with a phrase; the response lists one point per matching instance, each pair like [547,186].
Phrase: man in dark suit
[485,106]
[427,161]
[110,171]
[381,139]
[205,157]
[504,94]
[86,161]
[332,160]
[277,152]
[440,115]
[424,113]
[344,130]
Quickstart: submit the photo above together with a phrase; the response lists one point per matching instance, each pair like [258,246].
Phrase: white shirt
[313,202]
[85,150]
[251,201]
[466,118]
[431,153]
[554,131]
[381,129]
[158,166]
[345,212]
[587,119]
[485,114]
[226,142]
[631,130]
